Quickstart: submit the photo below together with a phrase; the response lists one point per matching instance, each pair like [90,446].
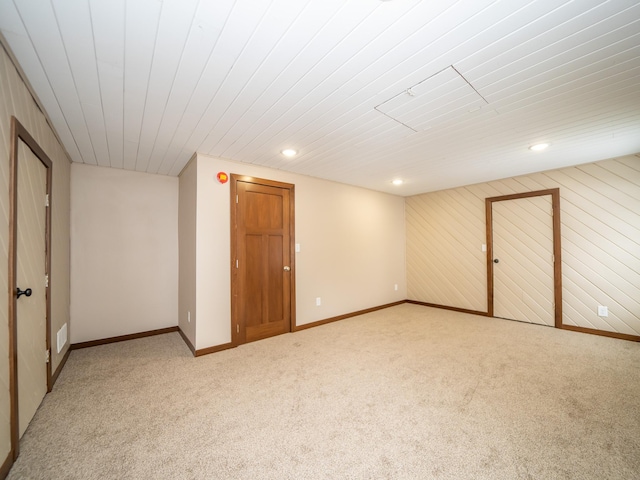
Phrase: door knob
[287,268]
[26,292]
[496,260]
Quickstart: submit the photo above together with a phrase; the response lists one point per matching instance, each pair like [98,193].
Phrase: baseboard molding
[217,348]
[122,338]
[186,340]
[602,333]
[297,328]
[592,331]
[226,346]
[204,351]
[445,307]
[56,374]
[6,465]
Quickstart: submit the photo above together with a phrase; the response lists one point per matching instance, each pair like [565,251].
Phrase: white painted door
[31,311]
[523,287]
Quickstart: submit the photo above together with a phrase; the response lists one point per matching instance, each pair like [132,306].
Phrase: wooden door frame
[19,132]
[557,249]
[235,178]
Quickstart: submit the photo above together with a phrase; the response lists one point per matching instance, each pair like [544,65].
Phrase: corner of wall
[187,214]
[212,250]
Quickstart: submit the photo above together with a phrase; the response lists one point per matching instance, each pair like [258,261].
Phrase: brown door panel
[262,235]
[265,331]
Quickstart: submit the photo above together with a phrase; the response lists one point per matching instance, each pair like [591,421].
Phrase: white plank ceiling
[440,93]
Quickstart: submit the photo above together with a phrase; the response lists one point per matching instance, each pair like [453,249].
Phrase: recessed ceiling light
[289,152]
[397,181]
[538,147]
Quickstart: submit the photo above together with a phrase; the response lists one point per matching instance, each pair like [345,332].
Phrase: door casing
[236,337]
[557,250]
[20,133]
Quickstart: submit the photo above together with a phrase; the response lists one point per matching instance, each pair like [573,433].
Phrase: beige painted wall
[187,254]
[124,255]
[352,248]
[600,230]
[16,100]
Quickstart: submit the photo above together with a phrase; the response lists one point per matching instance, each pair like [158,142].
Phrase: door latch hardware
[26,292]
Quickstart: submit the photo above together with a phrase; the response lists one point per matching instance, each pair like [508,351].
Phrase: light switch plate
[603,311]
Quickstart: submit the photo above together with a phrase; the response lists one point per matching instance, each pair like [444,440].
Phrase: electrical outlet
[395,287]
[318,301]
[603,311]
[297,248]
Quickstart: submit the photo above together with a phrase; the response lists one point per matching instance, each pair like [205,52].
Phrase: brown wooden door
[262,262]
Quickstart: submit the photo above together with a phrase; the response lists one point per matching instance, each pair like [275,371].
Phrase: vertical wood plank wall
[16,100]
[600,231]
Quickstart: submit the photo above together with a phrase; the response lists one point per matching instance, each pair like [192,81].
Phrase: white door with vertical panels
[523,286]
[31,311]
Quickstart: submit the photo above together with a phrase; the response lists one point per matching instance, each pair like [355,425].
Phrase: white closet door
[31,311]
[523,260]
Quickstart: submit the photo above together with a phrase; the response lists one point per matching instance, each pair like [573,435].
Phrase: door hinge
[237,263]
[46,281]
[237,328]
[46,200]
[47,356]
[236,198]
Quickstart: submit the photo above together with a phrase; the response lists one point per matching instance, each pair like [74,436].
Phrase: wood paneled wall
[600,232]
[16,100]
[445,262]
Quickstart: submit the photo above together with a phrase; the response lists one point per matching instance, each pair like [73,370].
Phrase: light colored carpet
[405,392]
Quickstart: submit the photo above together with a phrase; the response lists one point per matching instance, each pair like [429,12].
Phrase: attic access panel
[444,96]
